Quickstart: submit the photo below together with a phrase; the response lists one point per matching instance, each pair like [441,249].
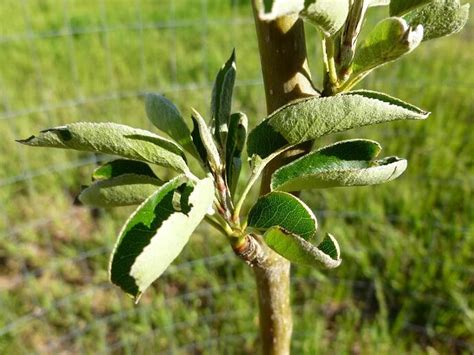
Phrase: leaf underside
[311,118]
[156,233]
[346,163]
[114,139]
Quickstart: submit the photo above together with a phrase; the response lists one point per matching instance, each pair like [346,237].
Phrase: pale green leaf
[283,210]
[313,117]
[299,251]
[123,190]
[115,139]
[235,144]
[269,10]
[206,142]
[401,7]
[439,18]
[156,233]
[327,15]
[119,167]
[167,118]
[346,163]
[222,98]
[378,2]
[389,40]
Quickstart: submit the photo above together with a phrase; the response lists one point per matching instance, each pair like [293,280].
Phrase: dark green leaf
[311,118]
[156,233]
[401,7]
[222,99]
[283,210]
[236,140]
[115,139]
[346,163]
[123,190]
[299,251]
[119,167]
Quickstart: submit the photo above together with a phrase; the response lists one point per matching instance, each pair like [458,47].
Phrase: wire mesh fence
[64,61]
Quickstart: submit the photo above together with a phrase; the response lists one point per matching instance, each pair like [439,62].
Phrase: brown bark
[286,78]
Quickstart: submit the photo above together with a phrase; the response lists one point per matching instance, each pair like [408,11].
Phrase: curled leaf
[123,190]
[157,231]
[283,210]
[114,139]
[299,251]
[346,163]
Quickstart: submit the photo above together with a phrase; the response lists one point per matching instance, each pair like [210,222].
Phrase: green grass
[405,285]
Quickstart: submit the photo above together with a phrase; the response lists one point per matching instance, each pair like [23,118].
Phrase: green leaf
[206,145]
[167,118]
[115,139]
[299,251]
[269,10]
[222,98]
[327,15]
[440,18]
[236,140]
[346,163]
[389,40]
[401,7]
[156,233]
[283,210]
[313,117]
[378,3]
[119,167]
[123,190]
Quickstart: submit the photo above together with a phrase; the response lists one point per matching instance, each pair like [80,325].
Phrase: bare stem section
[286,77]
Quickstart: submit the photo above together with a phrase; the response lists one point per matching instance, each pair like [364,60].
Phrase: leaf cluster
[169,212]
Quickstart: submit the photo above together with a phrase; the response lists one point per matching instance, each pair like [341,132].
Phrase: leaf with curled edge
[314,117]
[298,250]
[235,144]
[440,18]
[119,167]
[157,231]
[167,118]
[390,39]
[122,190]
[346,163]
[327,15]
[283,210]
[221,101]
[114,139]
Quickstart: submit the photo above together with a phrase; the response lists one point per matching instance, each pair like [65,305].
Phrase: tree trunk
[286,77]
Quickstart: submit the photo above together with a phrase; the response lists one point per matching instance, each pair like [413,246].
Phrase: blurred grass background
[406,284]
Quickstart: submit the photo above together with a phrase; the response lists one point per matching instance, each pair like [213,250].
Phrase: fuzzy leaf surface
[390,39]
[167,118]
[327,15]
[401,7]
[440,18]
[313,117]
[119,167]
[300,251]
[156,233]
[207,146]
[221,101]
[123,190]
[235,144]
[346,163]
[115,139]
[283,210]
